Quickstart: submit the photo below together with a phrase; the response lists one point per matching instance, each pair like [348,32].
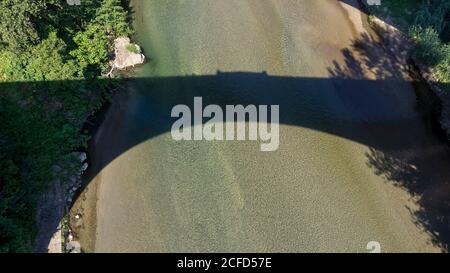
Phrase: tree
[19,21]
[112,18]
[43,41]
[92,46]
[432,14]
[47,62]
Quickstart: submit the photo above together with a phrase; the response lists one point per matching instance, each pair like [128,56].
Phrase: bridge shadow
[379,111]
[403,146]
[369,98]
[370,112]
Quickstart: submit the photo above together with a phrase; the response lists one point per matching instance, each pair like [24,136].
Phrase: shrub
[429,46]
[133,48]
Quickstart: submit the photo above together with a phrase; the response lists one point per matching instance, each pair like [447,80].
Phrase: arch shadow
[369,112]
[378,113]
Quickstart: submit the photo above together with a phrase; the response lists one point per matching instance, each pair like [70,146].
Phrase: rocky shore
[54,224]
[126,55]
[54,234]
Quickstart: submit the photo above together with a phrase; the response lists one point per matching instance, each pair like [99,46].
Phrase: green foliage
[10,229]
[112,18]
[19,24]
[430,49]
[432,14]
[442,70]
[402,12]
[94,43]
[92,46]
[133,48]
[11,66]
[46,41]
[427,32]
[47,56]
[428,22]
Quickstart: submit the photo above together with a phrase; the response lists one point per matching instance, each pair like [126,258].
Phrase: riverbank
[124,62]
[51,78]
[82,214]
[403,44]
[55,222]
[433,104]
[328,186]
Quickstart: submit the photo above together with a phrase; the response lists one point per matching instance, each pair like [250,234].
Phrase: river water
[352,144]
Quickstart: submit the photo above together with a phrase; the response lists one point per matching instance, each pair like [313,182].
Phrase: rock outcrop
[127,54]
[54,205]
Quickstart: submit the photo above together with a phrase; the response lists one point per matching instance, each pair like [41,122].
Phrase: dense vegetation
[52,56]
[428,22]
[431,31]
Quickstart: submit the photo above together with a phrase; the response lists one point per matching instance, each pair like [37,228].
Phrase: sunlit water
[316,193]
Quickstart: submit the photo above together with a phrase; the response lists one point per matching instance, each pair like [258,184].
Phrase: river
[352,143]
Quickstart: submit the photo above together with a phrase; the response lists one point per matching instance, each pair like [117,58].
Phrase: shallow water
[320,191]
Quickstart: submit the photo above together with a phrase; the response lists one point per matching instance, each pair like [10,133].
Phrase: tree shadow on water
[415,159]
[426,179]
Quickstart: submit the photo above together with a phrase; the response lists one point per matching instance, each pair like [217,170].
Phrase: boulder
[73,247]
[80,155]
[83,168]
[126,54]
[73,179]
